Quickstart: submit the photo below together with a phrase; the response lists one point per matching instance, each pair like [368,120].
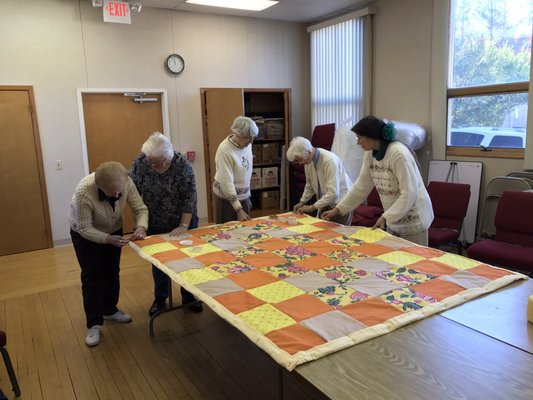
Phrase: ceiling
[305,11]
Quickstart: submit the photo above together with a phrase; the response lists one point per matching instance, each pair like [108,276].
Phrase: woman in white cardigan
[325,178]
[233,162]
[390,167]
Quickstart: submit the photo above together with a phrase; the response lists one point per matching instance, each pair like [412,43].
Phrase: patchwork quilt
[303,291]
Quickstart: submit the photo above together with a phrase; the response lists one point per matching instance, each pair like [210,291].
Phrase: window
[490,57]
[340,71]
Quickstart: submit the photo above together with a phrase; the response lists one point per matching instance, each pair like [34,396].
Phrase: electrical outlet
[59,165]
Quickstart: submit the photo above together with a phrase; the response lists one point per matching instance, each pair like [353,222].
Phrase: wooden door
[23,201]
[219,108]
[116,127]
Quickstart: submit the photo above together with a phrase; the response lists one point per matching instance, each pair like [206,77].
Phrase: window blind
[340,71]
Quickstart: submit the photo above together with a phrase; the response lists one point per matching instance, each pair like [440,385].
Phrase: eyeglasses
[158,163]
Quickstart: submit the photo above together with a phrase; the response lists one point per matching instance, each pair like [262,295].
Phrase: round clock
[175,64]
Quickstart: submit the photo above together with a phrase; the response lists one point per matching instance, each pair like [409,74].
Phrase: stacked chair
[450,205]
[494,191]
[512,245]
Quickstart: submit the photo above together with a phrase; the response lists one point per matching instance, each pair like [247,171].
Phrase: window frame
[504,88]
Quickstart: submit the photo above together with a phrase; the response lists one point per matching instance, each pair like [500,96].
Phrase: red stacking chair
[9,366]
[512,246]
[450,204]
[369,213]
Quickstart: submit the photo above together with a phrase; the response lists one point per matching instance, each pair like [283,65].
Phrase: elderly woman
[95,218]
[166,182]
[391,168]
[233,172]
[325,178]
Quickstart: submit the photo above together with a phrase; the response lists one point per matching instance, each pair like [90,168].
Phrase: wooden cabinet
[270,108]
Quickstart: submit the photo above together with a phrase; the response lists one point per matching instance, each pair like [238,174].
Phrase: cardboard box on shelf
[256,153]
[274,128]
[270,153]
[269,200]
[255,181]
[270,176]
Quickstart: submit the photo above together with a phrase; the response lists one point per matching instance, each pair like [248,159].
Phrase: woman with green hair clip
[391,167]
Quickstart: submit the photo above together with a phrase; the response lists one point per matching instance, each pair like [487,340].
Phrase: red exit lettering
[116,9]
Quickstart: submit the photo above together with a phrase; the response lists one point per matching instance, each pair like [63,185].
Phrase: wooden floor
[192,356]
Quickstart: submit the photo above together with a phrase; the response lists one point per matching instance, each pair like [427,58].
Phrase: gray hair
[158,145]
[299,147]
[244,127]
[110,174]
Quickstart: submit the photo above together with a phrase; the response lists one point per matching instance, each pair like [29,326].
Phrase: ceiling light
[98,3]
[253,5]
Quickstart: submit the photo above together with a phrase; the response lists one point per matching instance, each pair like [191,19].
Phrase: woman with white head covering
[233,162]
[325,178]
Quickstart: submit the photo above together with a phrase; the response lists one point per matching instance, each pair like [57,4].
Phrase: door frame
[81,91]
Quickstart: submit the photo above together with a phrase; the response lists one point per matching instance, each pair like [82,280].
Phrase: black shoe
[158,305]
[188,298]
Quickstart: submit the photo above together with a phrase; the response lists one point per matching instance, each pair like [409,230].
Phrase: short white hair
[158,145]
[244,127]
[299,147]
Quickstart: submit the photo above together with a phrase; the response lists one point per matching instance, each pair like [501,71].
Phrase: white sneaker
[119,316]
[93,336]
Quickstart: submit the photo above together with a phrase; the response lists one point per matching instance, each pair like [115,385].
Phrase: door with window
[116,126]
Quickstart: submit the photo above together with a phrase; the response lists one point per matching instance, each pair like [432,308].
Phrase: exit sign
[117,11]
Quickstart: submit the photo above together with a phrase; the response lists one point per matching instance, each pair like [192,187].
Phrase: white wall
[58,46]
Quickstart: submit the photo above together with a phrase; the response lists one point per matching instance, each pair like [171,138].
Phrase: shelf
[266,164]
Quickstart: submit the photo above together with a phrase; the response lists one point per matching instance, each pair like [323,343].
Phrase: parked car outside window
[509,138]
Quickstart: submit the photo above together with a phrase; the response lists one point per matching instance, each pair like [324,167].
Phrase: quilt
[303,291]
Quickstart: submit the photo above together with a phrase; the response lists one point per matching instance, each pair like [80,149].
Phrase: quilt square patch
[343,273]
[234,267]
[238,301]
[338,296]
[333,325]
[372,311]
[302,307]
[276,292]
[310,281]
[295,338]
[407,299]
[285,271]
[266,318]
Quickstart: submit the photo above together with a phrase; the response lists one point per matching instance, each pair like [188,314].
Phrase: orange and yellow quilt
[303,291]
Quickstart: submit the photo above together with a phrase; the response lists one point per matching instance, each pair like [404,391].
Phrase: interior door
[221,107]
[116,126]
[23,202]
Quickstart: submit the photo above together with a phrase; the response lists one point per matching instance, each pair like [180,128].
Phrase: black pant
[100,282]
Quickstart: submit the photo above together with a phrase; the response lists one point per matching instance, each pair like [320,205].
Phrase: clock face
[175,63]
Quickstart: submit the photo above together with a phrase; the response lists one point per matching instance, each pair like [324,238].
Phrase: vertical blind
[340,68]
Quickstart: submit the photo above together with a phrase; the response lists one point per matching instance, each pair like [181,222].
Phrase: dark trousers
[100,282]
[225,212]
[161,280]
